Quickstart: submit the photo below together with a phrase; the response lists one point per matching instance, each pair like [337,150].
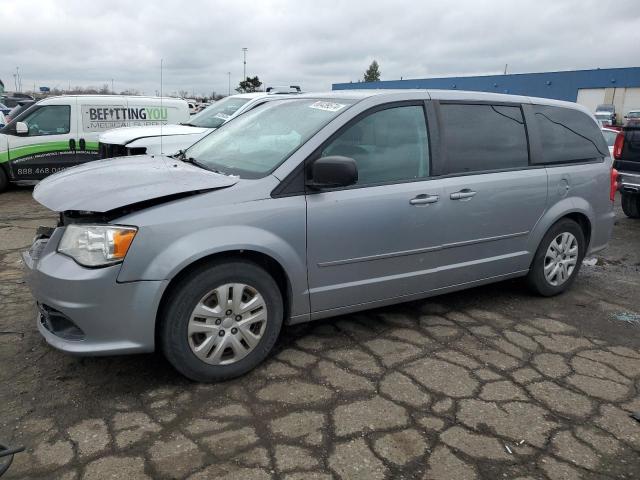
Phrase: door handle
[462,194]
[424,199]
[72,144]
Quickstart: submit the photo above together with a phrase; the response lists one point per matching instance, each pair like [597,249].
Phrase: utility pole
[244,69]
[505,68]
[112,90]
[229,74]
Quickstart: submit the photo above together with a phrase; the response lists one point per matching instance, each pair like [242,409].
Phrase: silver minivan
[311,207]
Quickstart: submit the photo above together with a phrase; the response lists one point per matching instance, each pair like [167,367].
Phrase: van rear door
[491,199]
[50,144]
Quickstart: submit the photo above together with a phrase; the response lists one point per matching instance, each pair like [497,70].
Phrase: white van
[169,140]
[60,132]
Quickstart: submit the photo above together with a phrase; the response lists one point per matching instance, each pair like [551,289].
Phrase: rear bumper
[629,182]
[601,231]
[111,317]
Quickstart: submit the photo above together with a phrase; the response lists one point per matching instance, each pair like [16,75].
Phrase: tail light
[614,184]
[617,146]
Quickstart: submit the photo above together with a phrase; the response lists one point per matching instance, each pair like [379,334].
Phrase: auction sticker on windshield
[327,106]
[222,116]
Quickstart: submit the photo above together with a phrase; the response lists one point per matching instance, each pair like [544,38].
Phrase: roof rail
[279,89]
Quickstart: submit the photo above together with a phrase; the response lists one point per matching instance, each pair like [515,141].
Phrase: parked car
[21,106]
[606,113]
[60,132]
[610,137]
[14,99]
[632,118]
[4,109]
[315,206]
[626,153]
[169,140]
[3,121]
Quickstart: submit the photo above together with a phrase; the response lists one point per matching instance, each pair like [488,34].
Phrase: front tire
[4,179]
[558,259]
[631,205]
[221,321]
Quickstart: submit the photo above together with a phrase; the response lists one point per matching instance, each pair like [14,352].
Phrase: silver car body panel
[342,251]
[107,184]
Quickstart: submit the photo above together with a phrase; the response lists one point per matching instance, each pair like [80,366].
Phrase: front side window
[49,120]
[483,137]
[568,135]
[388,145]
[218,113]
[258,141]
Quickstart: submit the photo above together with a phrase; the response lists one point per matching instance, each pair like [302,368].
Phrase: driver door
[50,144]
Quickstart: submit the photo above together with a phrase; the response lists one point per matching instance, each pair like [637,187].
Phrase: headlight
[96,245]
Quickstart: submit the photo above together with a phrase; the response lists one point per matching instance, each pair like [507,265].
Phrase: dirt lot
[488,383]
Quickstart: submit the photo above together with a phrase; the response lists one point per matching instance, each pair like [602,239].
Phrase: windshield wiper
[187,124]
[181,155]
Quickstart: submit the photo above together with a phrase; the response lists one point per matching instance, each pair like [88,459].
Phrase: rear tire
[631,205]
[553,269]
[220,345]
[4,179]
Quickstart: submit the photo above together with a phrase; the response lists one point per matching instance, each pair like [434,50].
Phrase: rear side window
[568,135]
[483,137]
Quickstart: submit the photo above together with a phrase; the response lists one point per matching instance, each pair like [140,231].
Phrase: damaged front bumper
[85,311]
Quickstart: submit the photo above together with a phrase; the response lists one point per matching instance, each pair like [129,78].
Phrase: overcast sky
[313,44]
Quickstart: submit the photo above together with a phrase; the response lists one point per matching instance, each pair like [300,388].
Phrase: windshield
[218,113]
[258,141]
[633,114]
[605,108]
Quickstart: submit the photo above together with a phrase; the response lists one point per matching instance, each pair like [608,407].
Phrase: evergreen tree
[373,73]
[249,85]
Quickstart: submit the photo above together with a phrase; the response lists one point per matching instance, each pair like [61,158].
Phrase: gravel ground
[488,383]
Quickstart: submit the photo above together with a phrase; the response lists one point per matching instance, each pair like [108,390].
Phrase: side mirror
[332,172]
[22,128]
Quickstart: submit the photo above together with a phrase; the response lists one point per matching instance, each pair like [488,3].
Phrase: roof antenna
[161,149]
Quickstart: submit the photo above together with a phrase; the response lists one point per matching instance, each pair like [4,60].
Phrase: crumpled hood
[122,136]
[107,184]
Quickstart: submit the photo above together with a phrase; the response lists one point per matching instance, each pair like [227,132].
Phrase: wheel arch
[270,264]
[574,208]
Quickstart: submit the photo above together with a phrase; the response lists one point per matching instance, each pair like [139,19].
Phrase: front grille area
[110,150]
[59,324]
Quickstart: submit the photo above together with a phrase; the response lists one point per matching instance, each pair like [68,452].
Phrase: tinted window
[388,145]
[568,135]
[483,137]
[49,120]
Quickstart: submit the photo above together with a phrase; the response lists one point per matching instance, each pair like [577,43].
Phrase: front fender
[166,263]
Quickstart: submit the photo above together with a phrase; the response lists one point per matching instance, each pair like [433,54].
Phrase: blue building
[619,86]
